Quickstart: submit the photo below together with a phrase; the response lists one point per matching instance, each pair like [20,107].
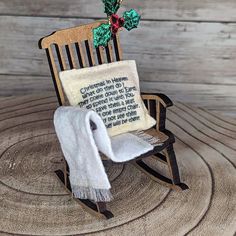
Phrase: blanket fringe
[97,195]
[155,141]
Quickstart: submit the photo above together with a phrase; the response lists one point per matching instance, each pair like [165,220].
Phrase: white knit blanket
[81,146]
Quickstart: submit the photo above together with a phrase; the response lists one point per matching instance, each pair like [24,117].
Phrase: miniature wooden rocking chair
[73,48]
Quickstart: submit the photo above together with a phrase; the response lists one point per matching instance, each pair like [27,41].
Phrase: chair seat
[158,134]
[164,140]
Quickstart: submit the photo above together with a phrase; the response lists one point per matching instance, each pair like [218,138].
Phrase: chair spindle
[60,57]
[90,54]
[80,55]
[109,53]
[117,48]
[55,76]
[72,56]
[100,55]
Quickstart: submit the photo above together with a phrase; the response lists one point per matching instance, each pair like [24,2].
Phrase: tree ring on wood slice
[33,201]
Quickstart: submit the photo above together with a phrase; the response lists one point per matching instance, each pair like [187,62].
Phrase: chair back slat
[55,76]
[70,55]
[73,48]
[60,57]
[90,53]
[80,55]
[100,55]
[117,48]
[109,53]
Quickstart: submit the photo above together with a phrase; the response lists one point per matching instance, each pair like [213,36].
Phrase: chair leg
[169,159]
[102,208]
[173,167]
[97,209]
[65,173]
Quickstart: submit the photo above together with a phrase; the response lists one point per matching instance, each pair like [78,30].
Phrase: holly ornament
[103,33]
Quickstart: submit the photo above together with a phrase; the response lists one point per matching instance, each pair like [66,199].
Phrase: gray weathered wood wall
[184,48]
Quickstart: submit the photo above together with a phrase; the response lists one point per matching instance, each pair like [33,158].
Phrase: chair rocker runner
[73,48]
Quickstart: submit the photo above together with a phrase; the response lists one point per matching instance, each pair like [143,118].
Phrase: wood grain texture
[219,98]
[179,43]
[191,62]
[34,203]
[191,10]
[15,85]
[164,51]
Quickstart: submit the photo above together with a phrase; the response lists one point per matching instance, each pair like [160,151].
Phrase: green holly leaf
[132,19]
[102,35]
[111,6]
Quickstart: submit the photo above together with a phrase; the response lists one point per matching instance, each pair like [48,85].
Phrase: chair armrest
[162,98]
[156,104]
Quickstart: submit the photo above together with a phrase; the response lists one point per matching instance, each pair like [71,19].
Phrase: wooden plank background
[184,48]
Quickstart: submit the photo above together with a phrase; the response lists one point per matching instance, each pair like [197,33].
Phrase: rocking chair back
[73,48]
